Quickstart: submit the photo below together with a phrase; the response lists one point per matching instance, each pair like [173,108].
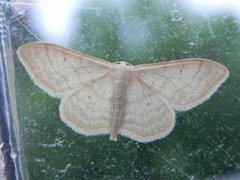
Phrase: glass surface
[205,140]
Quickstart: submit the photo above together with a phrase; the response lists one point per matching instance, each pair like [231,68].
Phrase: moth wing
[148,117]
[59,70]
[88,111]
[183,83]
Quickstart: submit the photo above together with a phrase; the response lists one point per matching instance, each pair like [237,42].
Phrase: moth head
[123,63]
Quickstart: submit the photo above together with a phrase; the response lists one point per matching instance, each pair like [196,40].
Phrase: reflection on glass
[56,17]
[214,6]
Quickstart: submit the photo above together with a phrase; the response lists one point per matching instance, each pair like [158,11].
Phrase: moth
[99,97]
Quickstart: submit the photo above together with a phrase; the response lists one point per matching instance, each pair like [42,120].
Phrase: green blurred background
[205,140]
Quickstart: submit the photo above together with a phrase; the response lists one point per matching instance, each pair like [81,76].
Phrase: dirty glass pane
[205,140]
